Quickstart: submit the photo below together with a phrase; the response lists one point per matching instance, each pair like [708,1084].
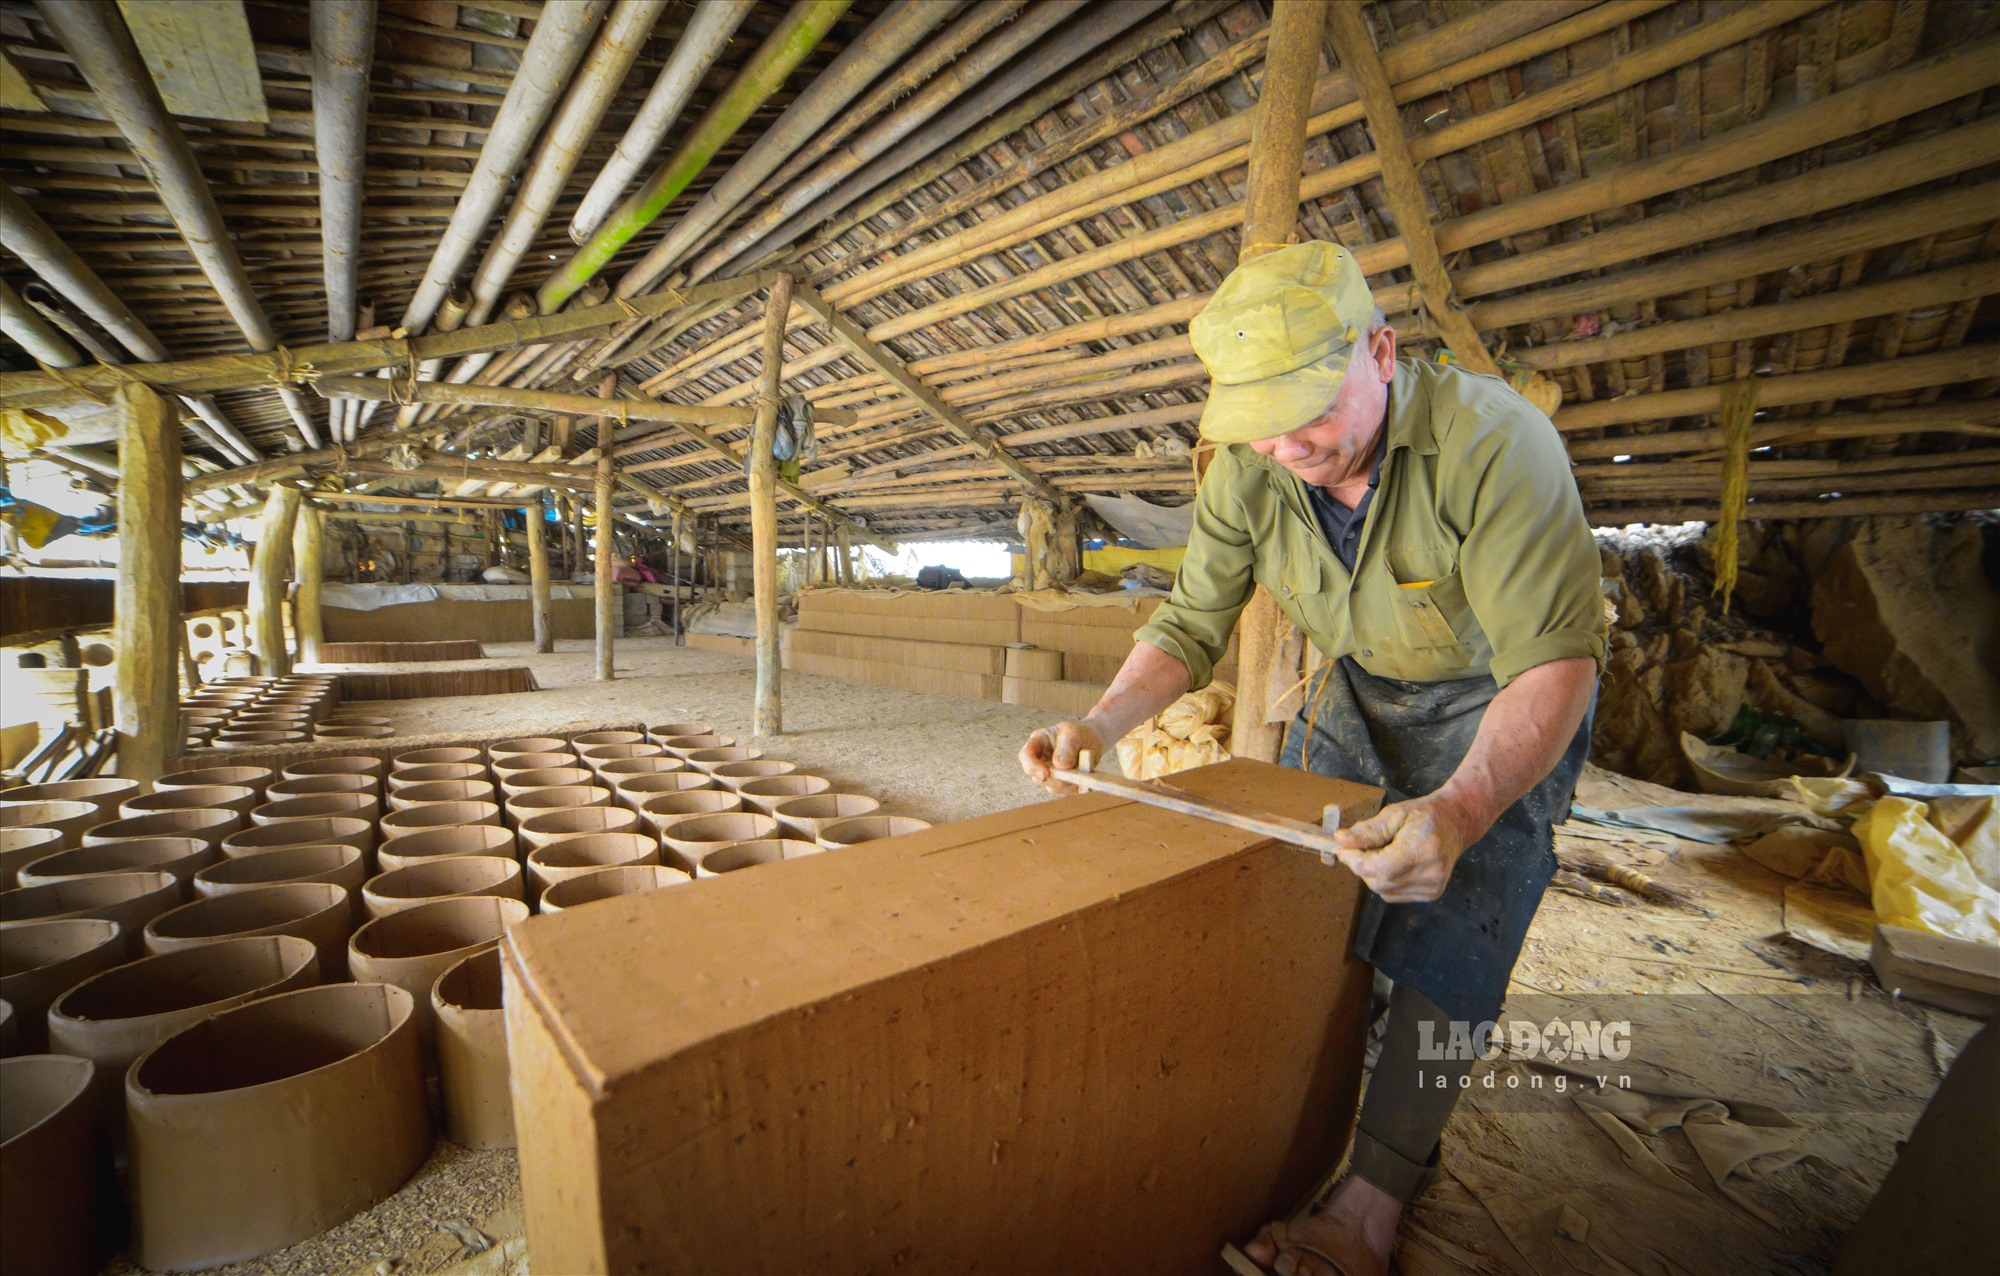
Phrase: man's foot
[1355,1235]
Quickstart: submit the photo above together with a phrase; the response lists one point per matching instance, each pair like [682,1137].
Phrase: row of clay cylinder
[401,874]
[244,713]
[256,1097]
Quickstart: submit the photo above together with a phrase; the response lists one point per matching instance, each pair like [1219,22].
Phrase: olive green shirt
[1475,557]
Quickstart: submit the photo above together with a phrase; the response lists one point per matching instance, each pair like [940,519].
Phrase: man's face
[1339,443]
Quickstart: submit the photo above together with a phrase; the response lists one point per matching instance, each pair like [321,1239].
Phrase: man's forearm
[1521,738]
[1147,682]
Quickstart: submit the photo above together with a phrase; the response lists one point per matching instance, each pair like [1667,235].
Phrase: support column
[846,558]
[309,569]
[769,717]
[538,579]
[609,617]
[146,625]
[1270,215]
[267,580]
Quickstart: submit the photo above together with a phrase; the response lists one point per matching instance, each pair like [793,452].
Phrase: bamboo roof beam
[1347,28]
[890,367]
[1884,376]
[1606,515]
[241,371]
[1977,417]
[422,502]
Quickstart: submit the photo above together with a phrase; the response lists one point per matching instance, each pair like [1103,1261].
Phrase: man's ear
[1384,351]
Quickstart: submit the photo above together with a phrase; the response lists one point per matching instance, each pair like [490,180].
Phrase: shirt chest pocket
[1426,596]
[1303,589]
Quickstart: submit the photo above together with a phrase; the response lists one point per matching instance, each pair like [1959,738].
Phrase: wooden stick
[1319,840]
[146,621]
[541,604]
[267,580]
[604,588]
[309,569]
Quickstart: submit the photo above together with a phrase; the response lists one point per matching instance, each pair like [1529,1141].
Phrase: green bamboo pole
[795,37]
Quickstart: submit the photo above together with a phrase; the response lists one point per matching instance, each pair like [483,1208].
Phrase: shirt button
[1368,653]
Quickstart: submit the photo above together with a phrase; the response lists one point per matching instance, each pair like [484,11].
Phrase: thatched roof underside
[1647,201]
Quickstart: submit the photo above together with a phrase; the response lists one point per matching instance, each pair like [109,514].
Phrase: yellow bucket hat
[1276,338]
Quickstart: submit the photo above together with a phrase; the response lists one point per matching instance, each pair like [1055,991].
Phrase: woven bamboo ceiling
[1676,211]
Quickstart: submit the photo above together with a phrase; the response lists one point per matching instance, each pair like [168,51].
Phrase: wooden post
[846,558]
[309,568]
[538,579]
[769,715]
[609,619]
[146,624]
[1271,214]
[1405,190]
[267,580]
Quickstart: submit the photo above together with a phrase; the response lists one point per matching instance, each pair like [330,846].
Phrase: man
[1421,524]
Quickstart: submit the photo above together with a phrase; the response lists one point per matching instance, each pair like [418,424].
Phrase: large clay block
[1082,1036]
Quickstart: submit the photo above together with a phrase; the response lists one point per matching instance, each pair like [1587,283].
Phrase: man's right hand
[1059,748]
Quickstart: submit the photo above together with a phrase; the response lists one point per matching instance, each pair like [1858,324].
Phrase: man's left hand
[1405,853]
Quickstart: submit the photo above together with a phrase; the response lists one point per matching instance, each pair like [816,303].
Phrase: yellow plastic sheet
[1920,878]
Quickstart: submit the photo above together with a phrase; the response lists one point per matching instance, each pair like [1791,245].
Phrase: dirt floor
[1817,1071]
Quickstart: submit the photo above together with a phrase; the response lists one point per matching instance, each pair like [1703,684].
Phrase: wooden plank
[201,57]
[1079,1036]
[1953,974]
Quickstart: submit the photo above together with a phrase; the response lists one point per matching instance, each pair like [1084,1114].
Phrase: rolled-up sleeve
[1216,576]
[1529,562]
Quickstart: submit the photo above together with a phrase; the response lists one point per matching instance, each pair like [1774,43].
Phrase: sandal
[1280,1233]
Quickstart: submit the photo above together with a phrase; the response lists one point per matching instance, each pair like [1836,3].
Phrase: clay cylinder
[314,911]
[592,739]
[58,1212]
[682,745]
[359,834]
[765,794]
[868,828]
[410,777]
[514,783]
[438,815]
[320,806]
[767,850]
[114,1017]
[472,1053]
[22,847]
[257,739]
[105,793]
[666,731]
[596,755]
[351,731]
[604,883]
[357,720]
[441,791]
[207,824]
[40,961]
[571,857]
[314,785]
[272,1122]
[544,827]
[803,817]
[412,948]
[618,770]
[359,764]
[130,899]
[67,818]
[447,878]
[459,839]
[734,775]
[429,757]
[633,791]
[556,798]
[213,797]
[528,744]
[509,763]
[343,866]
[689,842]
[709,759]
[662,811]
[181,856]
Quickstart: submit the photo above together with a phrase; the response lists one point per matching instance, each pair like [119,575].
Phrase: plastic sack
[1920,879]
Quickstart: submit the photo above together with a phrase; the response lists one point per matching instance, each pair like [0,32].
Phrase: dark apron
[1407,738]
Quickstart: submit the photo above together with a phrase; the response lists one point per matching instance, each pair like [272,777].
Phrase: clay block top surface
[634,980]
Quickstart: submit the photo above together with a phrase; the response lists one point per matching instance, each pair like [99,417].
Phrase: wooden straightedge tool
[1151,792]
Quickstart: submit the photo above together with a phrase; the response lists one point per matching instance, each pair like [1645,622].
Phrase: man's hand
[1059,747]
[1405,853]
